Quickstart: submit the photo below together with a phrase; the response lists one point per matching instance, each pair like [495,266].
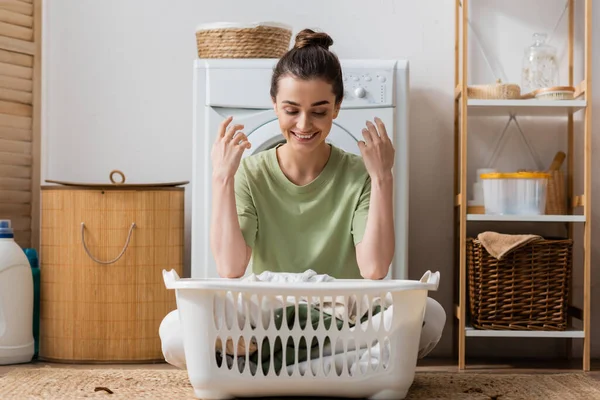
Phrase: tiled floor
[427,365]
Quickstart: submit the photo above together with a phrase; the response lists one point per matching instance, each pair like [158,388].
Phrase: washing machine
[240,87]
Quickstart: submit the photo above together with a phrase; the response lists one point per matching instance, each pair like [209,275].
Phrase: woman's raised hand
[377,150]
[227,149]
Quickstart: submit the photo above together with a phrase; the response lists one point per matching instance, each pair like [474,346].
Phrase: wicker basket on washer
[103,249]
[232,40]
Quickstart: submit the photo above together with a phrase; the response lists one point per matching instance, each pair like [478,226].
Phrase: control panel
[368,87]
[244,83]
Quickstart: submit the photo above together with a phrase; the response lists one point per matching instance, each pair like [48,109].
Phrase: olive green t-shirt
[293,228]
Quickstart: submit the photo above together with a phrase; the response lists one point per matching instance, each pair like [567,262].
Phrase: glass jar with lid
[540,65]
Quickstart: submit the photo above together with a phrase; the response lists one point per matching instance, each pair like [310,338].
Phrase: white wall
[118,94]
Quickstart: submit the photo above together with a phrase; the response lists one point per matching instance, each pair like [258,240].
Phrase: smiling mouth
[304,137]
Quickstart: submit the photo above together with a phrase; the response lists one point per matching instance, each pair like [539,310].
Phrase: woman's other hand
[227,149]
[377,150]
[375,252]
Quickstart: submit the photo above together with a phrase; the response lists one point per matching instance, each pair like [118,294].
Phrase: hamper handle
[114,259]
[116,171]
[431,279]
[170,277]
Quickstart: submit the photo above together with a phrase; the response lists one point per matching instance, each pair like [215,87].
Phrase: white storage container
[16,300]
[273,349]
[515,193]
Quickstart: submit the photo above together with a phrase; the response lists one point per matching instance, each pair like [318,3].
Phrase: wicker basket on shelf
[232,40]
[526,290]
[496,91]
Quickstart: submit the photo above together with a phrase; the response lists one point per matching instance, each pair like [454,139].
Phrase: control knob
[360,92]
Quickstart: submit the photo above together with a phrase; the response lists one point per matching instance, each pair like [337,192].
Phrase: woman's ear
[274,105]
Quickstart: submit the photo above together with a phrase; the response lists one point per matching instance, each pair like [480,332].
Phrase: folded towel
[499,244]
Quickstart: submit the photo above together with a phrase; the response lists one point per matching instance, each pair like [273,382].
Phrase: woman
[304,204]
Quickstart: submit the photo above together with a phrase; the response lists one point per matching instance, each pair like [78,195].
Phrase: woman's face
[306,110]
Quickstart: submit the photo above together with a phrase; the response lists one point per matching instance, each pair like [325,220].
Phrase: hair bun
[308,37]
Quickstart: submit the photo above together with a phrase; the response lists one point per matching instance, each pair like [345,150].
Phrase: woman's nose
[303,123]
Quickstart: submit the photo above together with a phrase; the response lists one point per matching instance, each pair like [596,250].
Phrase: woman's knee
[172,340]
[435,314]
[433,325]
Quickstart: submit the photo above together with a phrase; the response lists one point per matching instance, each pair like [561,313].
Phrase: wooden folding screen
[20,74]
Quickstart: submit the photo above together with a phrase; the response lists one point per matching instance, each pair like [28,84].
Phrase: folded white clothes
[289,277]
[339,307]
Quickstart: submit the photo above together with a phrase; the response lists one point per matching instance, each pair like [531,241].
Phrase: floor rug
[51,383]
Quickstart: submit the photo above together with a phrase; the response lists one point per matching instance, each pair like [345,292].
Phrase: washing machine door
[268,135]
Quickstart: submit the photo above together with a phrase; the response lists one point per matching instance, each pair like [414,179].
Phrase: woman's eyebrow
[318,103]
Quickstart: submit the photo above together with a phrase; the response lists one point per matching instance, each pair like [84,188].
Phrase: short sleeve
[359,219]
[246,210]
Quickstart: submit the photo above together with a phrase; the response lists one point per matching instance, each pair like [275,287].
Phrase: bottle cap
[6,230]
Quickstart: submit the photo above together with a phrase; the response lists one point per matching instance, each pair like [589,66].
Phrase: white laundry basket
[348,338]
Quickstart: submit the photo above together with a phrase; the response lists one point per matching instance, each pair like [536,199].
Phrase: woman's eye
[315,113]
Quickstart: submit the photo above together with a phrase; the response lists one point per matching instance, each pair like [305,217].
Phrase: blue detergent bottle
[32,256]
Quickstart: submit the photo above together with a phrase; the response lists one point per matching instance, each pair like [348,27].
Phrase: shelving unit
[569,333]
[544,108]
[579,209]
[526,218]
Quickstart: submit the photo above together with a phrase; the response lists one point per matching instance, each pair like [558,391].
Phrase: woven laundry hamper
[238,40]
[103,249]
